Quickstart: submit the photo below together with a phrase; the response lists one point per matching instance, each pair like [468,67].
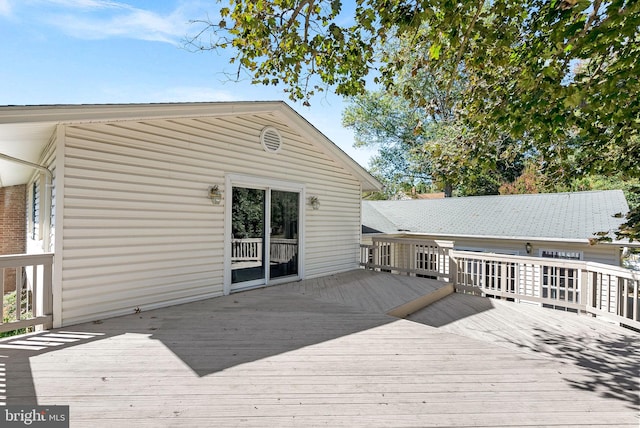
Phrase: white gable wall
[138,229]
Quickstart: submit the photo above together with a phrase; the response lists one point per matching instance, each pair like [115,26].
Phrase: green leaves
[558,76]
[296,42]
[434,51]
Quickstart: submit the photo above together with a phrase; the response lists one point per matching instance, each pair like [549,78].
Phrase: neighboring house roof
[439,195]
[26,130]
[373,221]
[546,216]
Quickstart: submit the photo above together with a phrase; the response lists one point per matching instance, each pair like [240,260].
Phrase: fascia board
[113,112]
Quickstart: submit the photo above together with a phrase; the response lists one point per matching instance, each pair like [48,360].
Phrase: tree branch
[463,45]
[297,12]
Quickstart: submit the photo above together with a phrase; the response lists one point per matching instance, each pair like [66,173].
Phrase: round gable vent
[271,139]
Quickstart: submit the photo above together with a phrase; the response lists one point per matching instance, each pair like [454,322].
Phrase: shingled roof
[553,216]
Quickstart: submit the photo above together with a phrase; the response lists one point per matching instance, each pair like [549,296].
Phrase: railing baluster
[625,296]
[610,291]
[34,291]
[636,300]
[2,295]
[586,286]
[18,293]
[37,286]
[598,286]
[46,294]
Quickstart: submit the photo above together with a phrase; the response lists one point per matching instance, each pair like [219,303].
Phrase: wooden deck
[324,353]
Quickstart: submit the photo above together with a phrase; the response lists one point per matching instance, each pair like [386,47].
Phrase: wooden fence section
[595,288]
[33,297]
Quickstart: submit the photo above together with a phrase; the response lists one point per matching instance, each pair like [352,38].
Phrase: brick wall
[13,227]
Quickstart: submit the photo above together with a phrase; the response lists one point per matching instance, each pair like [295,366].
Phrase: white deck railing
[595,288]
[33,305]
[283,250]
[410,256]
[249,249]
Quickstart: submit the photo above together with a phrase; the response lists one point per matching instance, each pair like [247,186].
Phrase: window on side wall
[35,211]
[561,254]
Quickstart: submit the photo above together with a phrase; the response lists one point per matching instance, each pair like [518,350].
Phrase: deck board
[370,291]
[323,353]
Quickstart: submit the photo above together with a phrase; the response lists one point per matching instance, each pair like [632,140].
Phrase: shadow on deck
[324,351]
[208,336]
[611,354]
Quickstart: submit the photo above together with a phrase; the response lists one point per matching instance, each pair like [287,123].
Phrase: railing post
[18,293]
[374,253]
[47,294]
[445,248]
[2,294]
[593,293]
[636,297]
[453,270]
[585,288]
[502,281]
[623,292]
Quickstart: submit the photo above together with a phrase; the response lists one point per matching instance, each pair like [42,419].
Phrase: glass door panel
[248,236]
[283,252]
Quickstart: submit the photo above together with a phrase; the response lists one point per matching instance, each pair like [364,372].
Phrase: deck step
[406,309]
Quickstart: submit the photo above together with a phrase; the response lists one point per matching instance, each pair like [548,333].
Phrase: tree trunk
[448,190]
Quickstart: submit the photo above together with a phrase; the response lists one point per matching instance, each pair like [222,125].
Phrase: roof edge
[513,238]
[87,113]
[81,113]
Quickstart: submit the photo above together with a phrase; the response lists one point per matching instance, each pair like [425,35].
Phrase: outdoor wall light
[314,202]
[528,247]
[215,195]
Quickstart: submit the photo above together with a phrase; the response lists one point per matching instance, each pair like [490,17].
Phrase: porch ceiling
[24,141]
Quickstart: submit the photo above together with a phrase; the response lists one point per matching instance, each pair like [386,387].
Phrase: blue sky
[127,51]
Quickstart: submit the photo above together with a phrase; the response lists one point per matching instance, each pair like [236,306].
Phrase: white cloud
[193,94]
[91,4]
[102,19]
[152,94]
[5,8]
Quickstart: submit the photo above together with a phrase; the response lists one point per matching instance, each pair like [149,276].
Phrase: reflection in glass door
[264,233]
[283,253]
[247,240]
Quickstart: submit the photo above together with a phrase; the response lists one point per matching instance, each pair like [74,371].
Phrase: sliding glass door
[247,242]
[265,235]
[283,246]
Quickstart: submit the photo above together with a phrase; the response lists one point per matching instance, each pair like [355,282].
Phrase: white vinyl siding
[139,229]
[608,254]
